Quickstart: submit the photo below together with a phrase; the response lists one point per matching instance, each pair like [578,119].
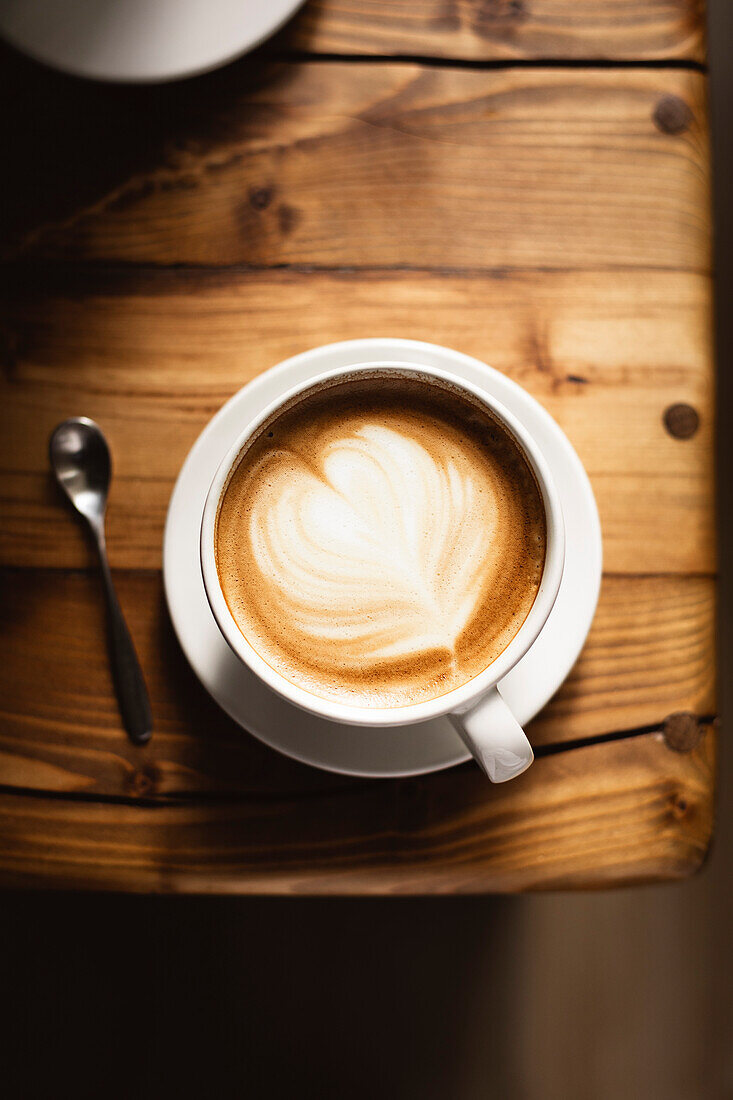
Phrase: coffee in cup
[381,539]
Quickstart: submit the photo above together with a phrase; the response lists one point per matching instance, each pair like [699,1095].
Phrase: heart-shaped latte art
[378,550]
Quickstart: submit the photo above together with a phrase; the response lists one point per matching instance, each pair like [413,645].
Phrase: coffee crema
[381,539]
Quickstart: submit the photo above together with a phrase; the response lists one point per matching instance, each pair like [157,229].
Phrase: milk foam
[361,551]
[381,552]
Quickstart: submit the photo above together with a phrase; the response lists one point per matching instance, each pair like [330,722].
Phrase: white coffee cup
[476,709]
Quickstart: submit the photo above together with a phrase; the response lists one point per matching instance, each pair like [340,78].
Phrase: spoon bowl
[81,462]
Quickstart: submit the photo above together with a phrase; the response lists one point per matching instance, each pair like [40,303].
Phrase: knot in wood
[681,420]
[144,781]
[672,115]
[261,197]
[682,731]
[678,805]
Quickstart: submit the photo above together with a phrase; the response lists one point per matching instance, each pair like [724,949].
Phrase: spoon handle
[132,694]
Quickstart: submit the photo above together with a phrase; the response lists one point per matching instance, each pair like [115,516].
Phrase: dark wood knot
[681,420]
[678,805]
[682,731]
[672,115]
[261,197]
[144,781]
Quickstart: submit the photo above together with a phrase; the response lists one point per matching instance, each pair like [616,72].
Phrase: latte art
[379,545]
[380,551]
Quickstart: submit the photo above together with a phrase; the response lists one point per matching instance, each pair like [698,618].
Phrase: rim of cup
[459,699]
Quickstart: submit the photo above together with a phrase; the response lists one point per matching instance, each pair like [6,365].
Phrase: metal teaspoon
[81,462]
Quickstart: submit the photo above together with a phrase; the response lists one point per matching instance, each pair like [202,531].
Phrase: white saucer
[396,750]
[140,40]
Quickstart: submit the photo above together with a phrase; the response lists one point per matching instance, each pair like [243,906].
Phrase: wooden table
[524,180]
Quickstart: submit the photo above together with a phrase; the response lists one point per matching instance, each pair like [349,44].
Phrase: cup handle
[494,737]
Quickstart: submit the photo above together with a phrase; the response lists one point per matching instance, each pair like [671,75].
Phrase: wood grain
[505,29]
[334,165]
[650,654]
[554,222]
[153,355]
[620,812]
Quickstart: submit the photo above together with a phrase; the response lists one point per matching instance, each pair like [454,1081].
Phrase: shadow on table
[279,998]
[56,120]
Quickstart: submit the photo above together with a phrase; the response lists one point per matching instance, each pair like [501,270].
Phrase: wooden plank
[505,29]
[650,654]
[619,812]
[332,164]
[153,355]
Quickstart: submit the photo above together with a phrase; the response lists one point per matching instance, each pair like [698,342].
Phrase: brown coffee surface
[381,540]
